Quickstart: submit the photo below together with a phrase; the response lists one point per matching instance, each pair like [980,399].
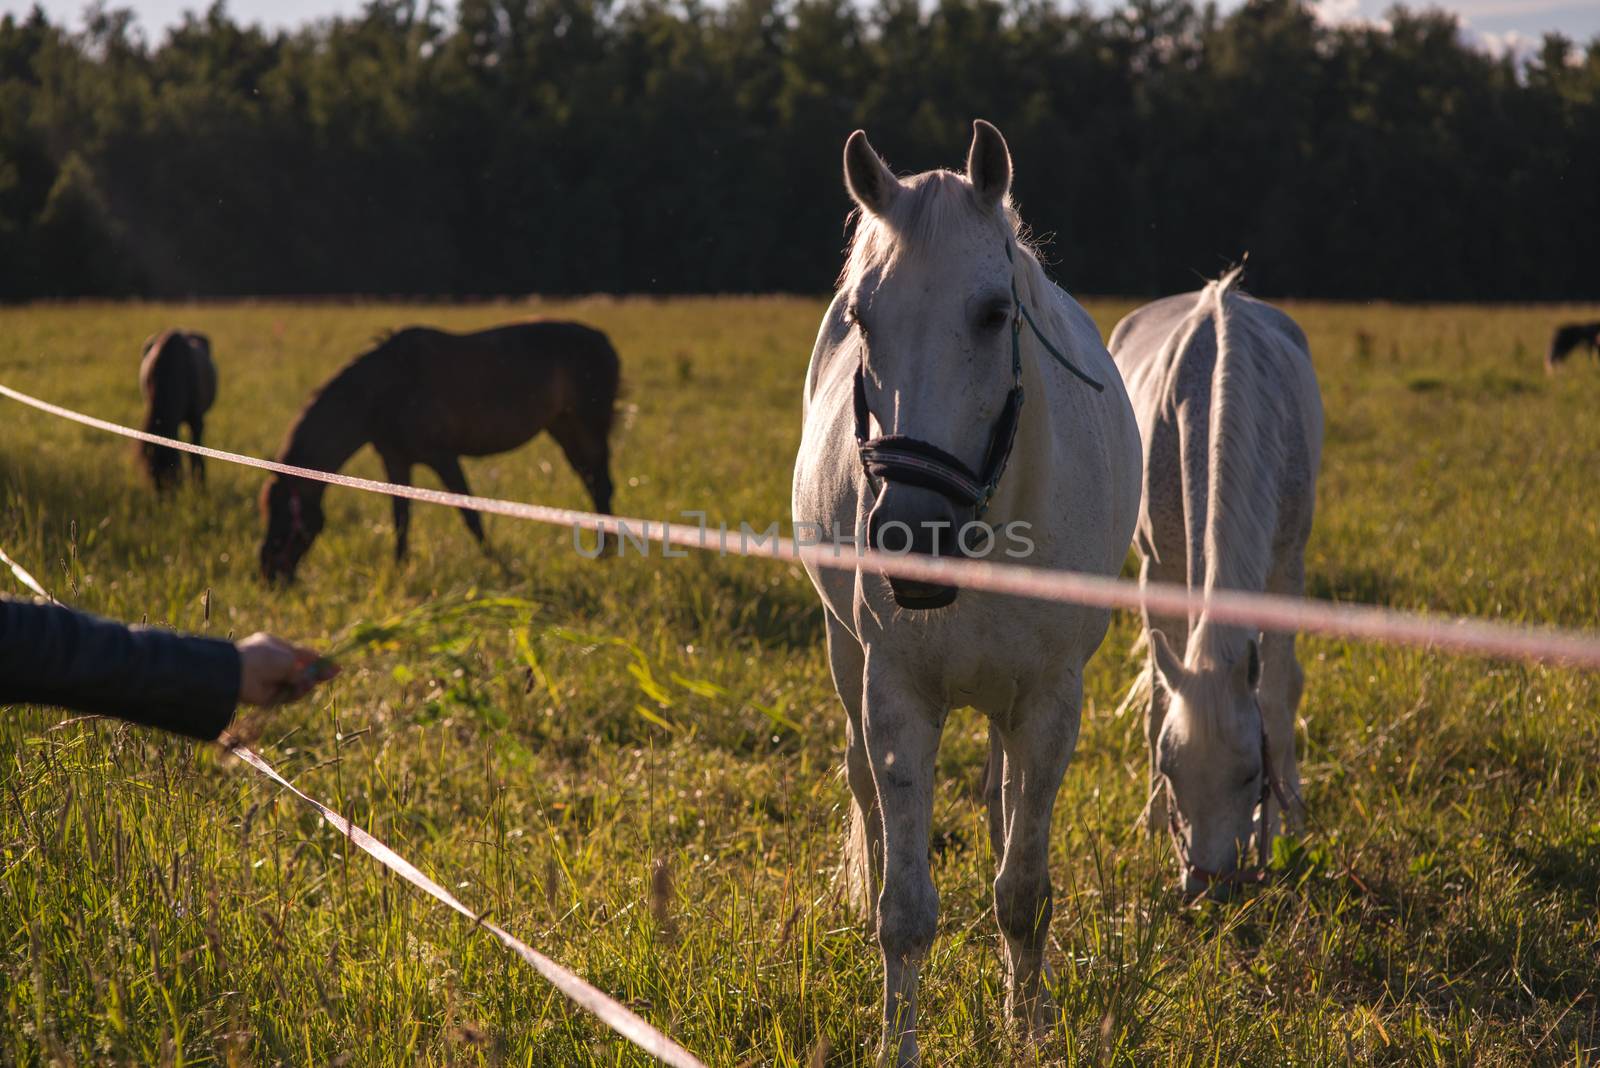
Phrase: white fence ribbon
[1479,637]
[24,576]
[608,1010]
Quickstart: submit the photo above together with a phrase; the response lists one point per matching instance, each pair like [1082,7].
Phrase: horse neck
[333,427]
[1241,510]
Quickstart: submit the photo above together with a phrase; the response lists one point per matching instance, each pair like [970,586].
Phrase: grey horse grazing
[179,383]
[926,341]
[1231,419]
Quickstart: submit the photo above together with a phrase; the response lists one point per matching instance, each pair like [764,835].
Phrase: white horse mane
[925,209]
[1234,537]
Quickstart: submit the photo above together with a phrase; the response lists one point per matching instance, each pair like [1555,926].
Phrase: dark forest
[567,146]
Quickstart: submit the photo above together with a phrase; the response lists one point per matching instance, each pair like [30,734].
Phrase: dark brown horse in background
[1571,336]
[428,397]
[179,383]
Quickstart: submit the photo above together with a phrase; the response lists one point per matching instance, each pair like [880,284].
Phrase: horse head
[931,307]
[292,511]
[1211,757]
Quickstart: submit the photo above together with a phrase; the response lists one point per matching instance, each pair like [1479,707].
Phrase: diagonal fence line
[608,1010]
[25,577]
[1264,611]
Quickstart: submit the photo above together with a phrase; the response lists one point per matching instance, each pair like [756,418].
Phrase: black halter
[914,462]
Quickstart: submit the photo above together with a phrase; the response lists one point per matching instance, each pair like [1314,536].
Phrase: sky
[1498,24]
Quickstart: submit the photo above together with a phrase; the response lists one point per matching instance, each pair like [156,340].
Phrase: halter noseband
[909,460]
[1271,787]
[297,529]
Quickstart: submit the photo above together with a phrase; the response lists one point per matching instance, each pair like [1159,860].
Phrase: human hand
[272,672]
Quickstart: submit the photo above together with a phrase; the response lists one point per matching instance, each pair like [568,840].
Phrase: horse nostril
[905,531]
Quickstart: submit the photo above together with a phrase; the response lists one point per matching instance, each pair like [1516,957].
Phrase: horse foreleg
[1039,743]
[1176,628]
[448,468]
[861,872]
[589,453]
[902,730]
[397,469]
[1282,683]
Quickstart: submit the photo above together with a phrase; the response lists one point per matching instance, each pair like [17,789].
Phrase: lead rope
[1016,334]
[1021,315]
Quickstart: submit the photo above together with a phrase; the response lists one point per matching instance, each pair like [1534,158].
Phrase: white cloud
[1519,46]
[1337,12]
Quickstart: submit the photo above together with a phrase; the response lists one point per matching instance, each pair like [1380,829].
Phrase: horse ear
[1247,672]
[871,183]
[1168,665]
[151,340]
[201,345]
[988,164]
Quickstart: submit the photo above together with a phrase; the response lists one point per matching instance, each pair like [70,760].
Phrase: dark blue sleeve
[51,655]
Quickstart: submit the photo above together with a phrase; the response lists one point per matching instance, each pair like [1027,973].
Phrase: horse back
[1170,355]
[489,391]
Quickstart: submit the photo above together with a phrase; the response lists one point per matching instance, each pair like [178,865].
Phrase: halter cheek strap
[914,462]
[909,460]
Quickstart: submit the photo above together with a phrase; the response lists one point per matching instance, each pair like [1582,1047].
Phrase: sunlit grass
[542,733]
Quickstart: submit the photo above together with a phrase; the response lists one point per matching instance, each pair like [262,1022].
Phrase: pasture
[633,764]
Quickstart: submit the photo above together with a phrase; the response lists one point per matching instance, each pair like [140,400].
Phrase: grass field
[632,763]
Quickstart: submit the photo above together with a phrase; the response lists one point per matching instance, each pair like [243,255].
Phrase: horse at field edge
[179,383]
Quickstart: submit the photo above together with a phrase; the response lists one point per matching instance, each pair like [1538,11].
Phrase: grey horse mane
[1241,507]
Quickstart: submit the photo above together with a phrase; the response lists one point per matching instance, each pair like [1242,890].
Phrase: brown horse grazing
[1569,337]
[430,397]
[179,383]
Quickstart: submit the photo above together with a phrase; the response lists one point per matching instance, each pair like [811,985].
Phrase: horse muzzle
[912,519]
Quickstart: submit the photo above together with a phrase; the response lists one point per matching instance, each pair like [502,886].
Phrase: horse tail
[1220,291]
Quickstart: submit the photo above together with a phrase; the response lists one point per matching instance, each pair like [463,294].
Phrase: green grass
[502,728]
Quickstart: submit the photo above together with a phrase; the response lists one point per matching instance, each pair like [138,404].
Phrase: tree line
[668,146]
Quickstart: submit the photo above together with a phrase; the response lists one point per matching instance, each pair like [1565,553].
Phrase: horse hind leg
[448,468]
[197,463]
[1038,747]
[994,775]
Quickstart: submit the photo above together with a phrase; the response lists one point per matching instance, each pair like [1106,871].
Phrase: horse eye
[995,316]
